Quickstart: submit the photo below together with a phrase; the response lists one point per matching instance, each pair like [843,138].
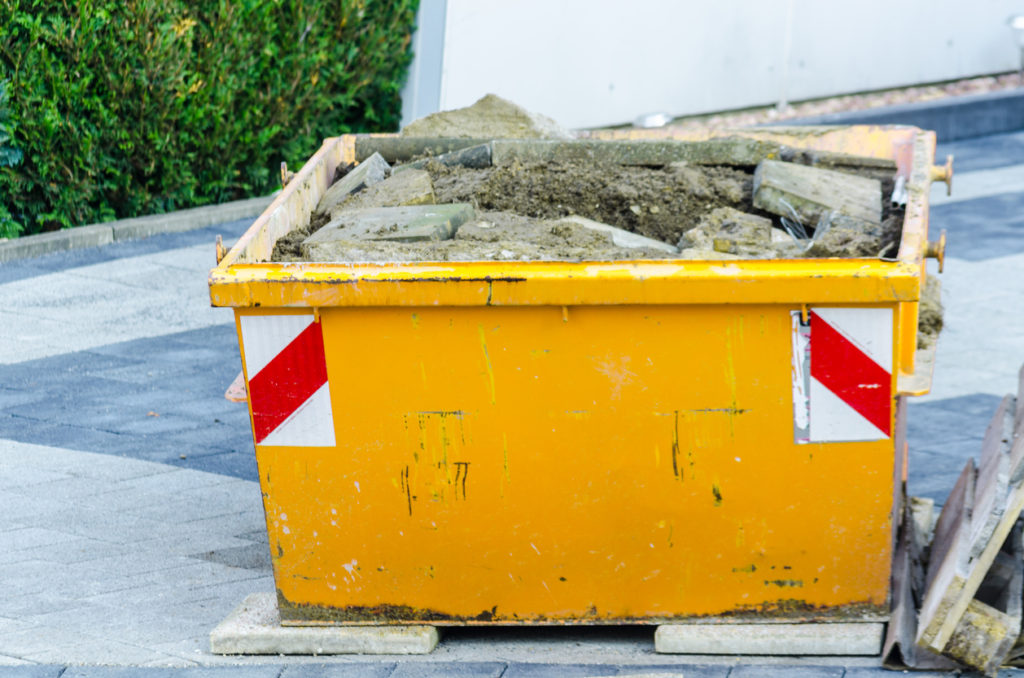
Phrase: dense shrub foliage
[128,107]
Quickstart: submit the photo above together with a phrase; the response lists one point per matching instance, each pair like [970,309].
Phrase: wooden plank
[953,520]
[993,478]
[838,638]
[986,633]
[1018,420]
[953,588]
[941,583]
[1017,452]
[807,193]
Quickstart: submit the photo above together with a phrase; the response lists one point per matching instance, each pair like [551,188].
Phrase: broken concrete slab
[842,242]
[733,151]
[254,627]
[403,149]
[491,117]
[474,157]
[417,223]
[620,237]
[838,638]
[808,193]
[412,187]
[367,173]
[730,231]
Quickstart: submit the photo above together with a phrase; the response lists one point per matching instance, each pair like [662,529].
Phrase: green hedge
[145,106]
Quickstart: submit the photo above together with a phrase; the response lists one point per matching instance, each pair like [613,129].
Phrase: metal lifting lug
[936,249]
[944,173]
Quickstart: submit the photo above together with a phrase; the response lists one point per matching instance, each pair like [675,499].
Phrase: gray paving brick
[448,669]
[980,153]
[682,669]
[547,670]
[32,671]
[362,670]
[161,672]
[783,671]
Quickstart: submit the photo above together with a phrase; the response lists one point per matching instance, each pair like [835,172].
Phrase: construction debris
[971,609]
[620,237]
[808,193]
[419,223]
[663,198]
[375,169]
[730,231]
[412,187]
[474,157]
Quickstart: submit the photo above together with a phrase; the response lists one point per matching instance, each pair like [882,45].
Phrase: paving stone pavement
[133,522]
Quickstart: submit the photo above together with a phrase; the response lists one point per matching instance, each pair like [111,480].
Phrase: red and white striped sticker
[842,375]
[288,389]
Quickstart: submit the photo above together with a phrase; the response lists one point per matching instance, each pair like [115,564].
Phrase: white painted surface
[597,62]
[869,329]
[833,421]
[311,425]
[264,336]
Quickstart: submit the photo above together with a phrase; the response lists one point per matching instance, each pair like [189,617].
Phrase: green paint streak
[487,362]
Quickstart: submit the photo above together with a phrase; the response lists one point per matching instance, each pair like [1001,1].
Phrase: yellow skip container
[550,442]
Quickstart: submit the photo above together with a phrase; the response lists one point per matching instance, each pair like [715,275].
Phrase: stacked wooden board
[971,609]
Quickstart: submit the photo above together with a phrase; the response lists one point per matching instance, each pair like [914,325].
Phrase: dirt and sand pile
[489,118]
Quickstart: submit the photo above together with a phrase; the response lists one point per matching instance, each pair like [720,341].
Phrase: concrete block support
[254,627]
[839,638]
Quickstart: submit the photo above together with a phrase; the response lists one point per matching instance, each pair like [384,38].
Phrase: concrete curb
[95,235]
[952,118]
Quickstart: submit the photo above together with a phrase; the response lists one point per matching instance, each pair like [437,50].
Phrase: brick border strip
[95,235]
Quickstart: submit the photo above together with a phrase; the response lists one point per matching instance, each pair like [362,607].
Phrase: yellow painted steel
[594,463]
[573,443]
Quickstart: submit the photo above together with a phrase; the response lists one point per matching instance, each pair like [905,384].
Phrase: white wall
[598,62]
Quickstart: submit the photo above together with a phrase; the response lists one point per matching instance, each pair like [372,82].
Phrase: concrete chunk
[417,223]
[839,638]
[413,187]
[403,149]
[730,231]
[254,627]
[475,157]
[807,193]
[736,151]
[367,173]
[620,237]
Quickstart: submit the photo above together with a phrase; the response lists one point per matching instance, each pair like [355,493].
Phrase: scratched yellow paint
[575,442]
[520,479]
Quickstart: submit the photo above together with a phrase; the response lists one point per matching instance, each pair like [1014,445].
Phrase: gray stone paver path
[128,536]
